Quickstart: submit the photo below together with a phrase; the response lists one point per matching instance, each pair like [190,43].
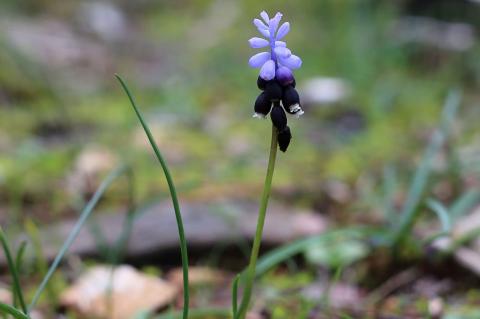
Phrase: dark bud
[261,83]
[284,138]
[262,105]
[273,90]
[284,76]
[291,100]
[278,116]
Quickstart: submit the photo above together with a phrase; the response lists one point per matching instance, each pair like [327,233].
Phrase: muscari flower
[276,78]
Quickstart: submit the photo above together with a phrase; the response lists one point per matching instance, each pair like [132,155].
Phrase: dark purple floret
[262,105]
[273,90]
[284,138]
[291,101]
[278,116]
[261,83]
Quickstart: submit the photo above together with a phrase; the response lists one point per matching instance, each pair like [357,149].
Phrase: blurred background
[373,83]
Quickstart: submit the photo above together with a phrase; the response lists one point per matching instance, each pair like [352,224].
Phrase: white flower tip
[295,108]
[299,113]
[259,116]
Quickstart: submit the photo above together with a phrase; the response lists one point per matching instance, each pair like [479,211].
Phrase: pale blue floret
[279,55]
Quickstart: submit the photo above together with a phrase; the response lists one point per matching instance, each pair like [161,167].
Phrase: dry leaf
[118,295]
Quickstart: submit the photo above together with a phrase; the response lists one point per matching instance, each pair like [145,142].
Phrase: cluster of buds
[276,78]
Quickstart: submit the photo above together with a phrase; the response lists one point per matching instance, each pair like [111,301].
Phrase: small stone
[323,90]
[435,307]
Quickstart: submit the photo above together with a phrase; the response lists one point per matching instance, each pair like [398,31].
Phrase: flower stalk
[251,270]
[276,79]
[278,97]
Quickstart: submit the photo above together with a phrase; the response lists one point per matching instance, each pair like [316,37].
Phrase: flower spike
[273,34]
[276,78]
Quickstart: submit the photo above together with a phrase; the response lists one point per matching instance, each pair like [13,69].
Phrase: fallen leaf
[100,293]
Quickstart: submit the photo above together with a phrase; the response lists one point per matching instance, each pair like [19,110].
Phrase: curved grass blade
[390,184]
[41,263]
[442,213]
[113,253]
[18,264]
[7,309]
[434,237]
[119,249]
[13,271]
[20,254]
[87,211]
[463,204]
[235,295]
[281,254]
[173,194]
[420,178]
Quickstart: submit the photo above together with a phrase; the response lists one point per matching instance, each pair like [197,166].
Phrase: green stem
[234,296]
[173,194]
[250,275]
[13,270]
[18,265]
[7,309]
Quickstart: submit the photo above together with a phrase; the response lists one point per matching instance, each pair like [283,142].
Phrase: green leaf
[7,309]
[422,174]
[442,213]
[235,295]
[17,289]
[337,251]
[173,194]
[283,253]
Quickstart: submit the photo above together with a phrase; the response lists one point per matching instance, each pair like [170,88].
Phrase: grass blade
[18,264]
[235,295]
[13,271]
[87,211]
[422,173]
[119,250]
[7,309]
[390,185]
[442,213]
[173,194]
[463,205]
[281,254]
[41,263]
[20,254]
